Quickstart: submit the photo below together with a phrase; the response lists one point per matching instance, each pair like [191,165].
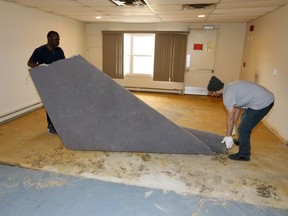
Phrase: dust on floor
[262,181]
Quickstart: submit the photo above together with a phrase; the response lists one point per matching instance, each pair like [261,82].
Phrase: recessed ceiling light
[98,17]
[201,16]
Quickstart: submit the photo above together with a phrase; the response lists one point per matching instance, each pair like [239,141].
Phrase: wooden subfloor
[25,142]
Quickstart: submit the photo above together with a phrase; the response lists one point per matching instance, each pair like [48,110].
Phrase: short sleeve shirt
[245,94]
[42,55]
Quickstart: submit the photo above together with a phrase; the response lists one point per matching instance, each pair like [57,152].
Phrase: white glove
[234,130]
[228,141]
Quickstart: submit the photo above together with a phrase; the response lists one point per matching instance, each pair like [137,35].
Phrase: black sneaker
[51,129]
[237,157]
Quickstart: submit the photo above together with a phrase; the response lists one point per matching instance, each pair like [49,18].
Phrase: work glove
[228,141]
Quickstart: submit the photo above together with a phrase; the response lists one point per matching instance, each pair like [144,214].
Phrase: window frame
[132,54]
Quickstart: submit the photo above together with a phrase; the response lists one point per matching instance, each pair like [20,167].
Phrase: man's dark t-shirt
[42,55]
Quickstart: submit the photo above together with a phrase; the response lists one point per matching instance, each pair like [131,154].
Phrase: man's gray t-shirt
[245,94]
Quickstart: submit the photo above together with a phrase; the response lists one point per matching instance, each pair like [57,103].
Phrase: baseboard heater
[141,89]
[20,112]
[195,90]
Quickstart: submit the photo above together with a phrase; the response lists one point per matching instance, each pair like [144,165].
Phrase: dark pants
[48,119]
[249,119]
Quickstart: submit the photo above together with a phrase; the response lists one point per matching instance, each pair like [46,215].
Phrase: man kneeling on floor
[255,100]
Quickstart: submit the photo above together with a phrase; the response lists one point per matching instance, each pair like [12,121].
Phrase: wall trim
[20,112]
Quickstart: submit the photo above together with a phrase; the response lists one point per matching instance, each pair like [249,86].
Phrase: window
[133,53]
[139,53]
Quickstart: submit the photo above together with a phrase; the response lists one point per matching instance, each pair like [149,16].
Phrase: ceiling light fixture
[137,3]
[98,17]
[201,16]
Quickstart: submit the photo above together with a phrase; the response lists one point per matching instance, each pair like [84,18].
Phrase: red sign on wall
[198,47]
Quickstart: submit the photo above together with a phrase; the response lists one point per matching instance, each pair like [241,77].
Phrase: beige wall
[229,51]
[265,55]
[230,43]
[22,30]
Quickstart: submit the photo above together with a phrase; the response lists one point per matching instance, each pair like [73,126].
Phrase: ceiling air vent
[198,6]
[129,3]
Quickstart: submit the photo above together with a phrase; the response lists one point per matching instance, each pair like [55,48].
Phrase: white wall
[265,52]
[229,51]
[22,30]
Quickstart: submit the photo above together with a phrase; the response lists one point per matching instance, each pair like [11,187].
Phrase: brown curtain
[113,54]
[170,57]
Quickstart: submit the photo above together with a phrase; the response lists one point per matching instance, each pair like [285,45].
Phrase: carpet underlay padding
[90,111]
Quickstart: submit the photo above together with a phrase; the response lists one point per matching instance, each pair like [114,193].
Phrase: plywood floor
[25,142]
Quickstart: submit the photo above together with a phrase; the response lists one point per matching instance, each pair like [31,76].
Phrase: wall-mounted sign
[208,27]
[198,47]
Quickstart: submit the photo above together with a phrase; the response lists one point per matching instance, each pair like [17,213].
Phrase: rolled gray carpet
[90,111]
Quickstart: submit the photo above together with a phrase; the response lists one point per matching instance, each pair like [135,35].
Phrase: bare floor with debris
[25,142]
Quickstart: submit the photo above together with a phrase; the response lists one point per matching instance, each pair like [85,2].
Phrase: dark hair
[51,33]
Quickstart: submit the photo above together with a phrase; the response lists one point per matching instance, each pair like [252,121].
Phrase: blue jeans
[249,119]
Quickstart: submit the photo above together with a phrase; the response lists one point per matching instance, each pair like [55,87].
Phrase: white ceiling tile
[94,3]
[178,16]
[186,12]
[159,10]
[166,7]
[123,9]
[138,19]
[255,11]
[168,2]
[78,10]
[45,3]
[183,20]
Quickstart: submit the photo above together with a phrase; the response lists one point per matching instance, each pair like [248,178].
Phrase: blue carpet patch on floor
[27,192]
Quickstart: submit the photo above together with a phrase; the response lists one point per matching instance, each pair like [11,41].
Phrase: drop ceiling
[156,11]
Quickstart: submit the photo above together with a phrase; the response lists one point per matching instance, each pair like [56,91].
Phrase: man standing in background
[46,54]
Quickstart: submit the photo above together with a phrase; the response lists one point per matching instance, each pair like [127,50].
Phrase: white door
[201,49]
